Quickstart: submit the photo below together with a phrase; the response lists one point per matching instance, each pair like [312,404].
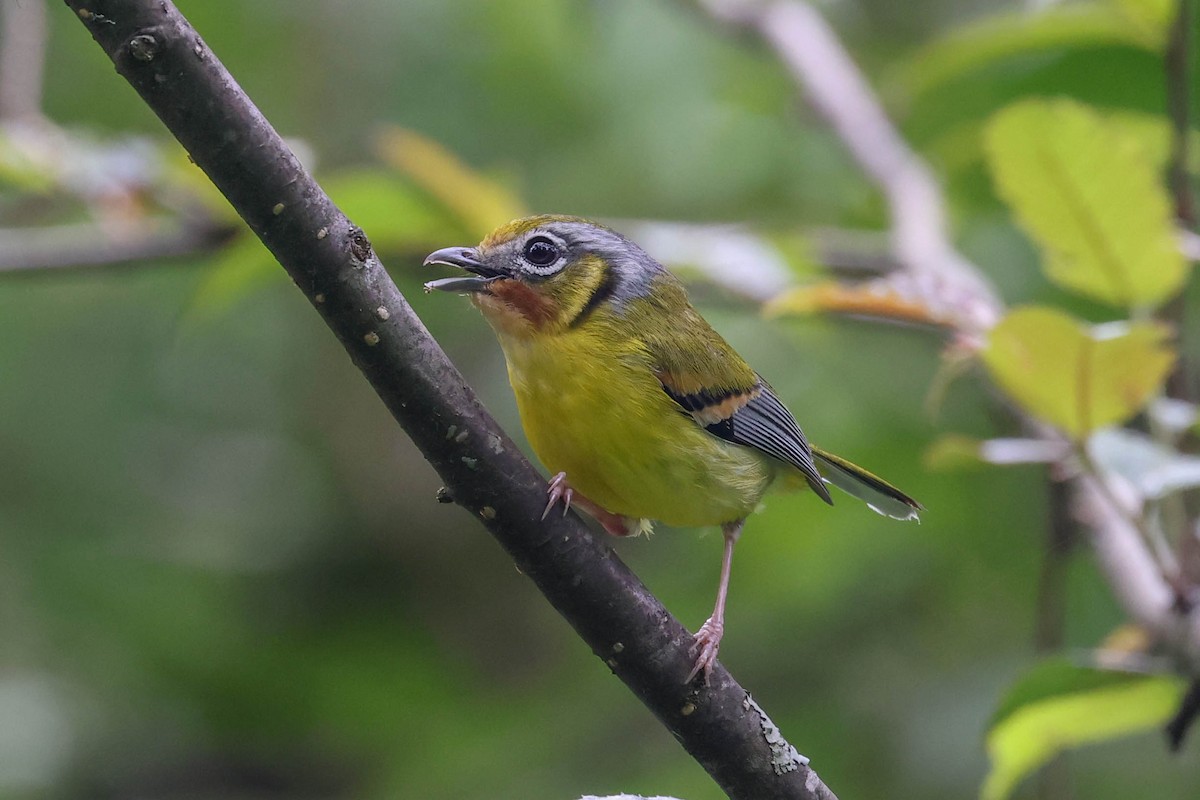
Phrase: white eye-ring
[543,255]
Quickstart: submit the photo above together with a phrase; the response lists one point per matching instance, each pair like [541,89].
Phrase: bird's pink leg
[708,638]
[560,490]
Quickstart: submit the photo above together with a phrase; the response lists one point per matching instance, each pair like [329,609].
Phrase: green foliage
[1018,32]
[1089,196]
[953,451]
[1058,705]
[1074,377]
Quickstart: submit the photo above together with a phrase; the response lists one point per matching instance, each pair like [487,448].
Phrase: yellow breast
[592,407]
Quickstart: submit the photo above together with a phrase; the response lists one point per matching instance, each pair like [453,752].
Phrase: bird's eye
[541,252]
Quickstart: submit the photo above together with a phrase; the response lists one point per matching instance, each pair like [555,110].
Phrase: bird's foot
[707,641]
[560,490]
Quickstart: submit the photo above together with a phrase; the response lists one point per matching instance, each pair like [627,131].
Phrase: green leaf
[1153,134]
[1089,196]
[1075,377]
[1059,705]
[953,451]
[240,270]
[1016,33]
[394,214]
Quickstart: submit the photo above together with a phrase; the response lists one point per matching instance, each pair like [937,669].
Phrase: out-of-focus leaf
[187,181]
[394,213]
[1059,705]
[1154,469]
[952,451]
[479,203]
[960,148]
[1077,378]
[1128,638]
[240,270]
[1150,19]
[1174,416]
[1010,34]
[1090,198]
[21,171]
[1153,135]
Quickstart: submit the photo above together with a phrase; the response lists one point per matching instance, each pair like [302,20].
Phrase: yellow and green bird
[628,395]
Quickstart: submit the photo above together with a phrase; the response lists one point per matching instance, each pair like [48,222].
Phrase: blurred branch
[1187,714]
[731,256]
[1132,572]
[1052,582]
[88,245]
[854,253]
[1178,63]
[750,264]
[333,264]
[811,51]
[22,58]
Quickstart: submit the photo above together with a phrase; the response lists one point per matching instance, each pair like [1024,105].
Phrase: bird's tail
[879,495]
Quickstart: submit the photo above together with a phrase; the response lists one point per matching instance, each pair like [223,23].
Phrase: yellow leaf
[1087,192]
[1059,706]
[1074,377]
[480,204]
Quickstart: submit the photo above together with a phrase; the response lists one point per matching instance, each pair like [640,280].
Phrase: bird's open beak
[463,258]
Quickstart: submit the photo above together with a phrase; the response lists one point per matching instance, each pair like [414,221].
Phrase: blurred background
[223,572]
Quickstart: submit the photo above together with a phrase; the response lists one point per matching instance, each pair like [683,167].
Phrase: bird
[641,411]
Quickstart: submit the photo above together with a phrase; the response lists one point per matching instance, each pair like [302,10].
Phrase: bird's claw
[615,524]
[558,490]
[707,640]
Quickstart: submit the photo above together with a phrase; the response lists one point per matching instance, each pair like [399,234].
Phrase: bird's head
[547,274]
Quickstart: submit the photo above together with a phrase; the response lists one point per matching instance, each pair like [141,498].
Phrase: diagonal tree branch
[333,264]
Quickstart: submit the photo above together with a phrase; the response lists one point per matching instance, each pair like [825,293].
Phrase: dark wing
[753,418]
[711,382]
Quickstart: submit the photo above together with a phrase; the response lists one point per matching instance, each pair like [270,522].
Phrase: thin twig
[333,264]
[1135,517]
[1134,575]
